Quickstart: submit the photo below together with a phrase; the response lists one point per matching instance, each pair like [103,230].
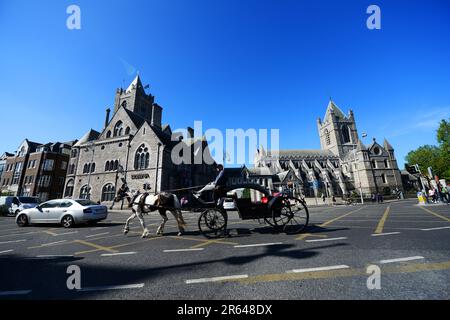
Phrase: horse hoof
[126,231]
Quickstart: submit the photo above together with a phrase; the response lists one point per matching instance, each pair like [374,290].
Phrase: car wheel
[67,221]
[16,213]
[22,220]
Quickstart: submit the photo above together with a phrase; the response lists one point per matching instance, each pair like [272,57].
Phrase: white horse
[145,203]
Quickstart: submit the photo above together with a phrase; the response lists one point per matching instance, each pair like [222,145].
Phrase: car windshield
[28,200]
[85,203]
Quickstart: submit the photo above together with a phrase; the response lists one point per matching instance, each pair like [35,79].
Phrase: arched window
[327,137]
[142,158]
[108,192]
[374,164]
[107,166]
[69,188]
[383,177]
[108,134]
[116,165]
[118,129]
[124,104]
[345,134]
[92,167]
[386,163]
[86,168]
[74,153]
[84,192]
[127,131]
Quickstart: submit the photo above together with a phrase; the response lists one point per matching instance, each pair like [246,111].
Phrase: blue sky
[232,64]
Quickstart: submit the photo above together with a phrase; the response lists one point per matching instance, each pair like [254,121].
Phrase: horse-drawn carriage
[253,202]
[283,212]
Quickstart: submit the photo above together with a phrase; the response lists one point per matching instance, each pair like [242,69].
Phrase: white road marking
[215,279]
[66,233]
[342,266]
[440,228]
[96,235]
[98,228]
[5,242]
[117,254]
[258,245]
[6,251]
[14,293]
[402,259]
[52,243]
[328,239]
[54,256]
[384,234]
[184,250]
[129,286]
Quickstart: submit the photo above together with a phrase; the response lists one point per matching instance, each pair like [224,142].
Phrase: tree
[437,157]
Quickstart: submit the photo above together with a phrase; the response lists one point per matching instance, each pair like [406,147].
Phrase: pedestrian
[432,195]
[334,200]
[373,198]
[323,197]
[445,194]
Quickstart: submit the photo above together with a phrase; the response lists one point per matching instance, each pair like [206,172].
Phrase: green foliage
[246,194]
[437,157]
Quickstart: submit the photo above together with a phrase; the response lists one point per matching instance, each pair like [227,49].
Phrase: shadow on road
[47,277]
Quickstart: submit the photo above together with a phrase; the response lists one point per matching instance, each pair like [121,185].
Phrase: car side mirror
[39,208]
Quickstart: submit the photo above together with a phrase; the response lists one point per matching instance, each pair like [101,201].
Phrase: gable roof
[332,107]
[136,83]
[89,136]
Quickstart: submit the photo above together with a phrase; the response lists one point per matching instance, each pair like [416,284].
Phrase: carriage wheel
[213,223]
[291,215]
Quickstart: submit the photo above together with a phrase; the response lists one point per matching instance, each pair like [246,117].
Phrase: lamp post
[157,168]
[88,148]
[359,177]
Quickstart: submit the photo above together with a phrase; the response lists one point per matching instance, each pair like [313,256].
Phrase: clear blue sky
[232,64]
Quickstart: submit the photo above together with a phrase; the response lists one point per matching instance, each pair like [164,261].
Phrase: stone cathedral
[133,146]
[342,165]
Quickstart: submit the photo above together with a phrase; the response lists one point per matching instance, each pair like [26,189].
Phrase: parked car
[66,212]
[13,205]
[229,204]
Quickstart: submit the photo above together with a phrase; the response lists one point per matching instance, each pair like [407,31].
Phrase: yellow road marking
[330,274]
[331,221]
[383,219]
[303,236]
[117,246]
[98,247]
[50,233]
[204,241]
[208,242]
[435,214]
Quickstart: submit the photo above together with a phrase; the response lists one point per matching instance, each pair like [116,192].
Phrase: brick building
[36,170]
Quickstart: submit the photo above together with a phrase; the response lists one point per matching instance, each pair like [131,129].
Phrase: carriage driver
[216,186]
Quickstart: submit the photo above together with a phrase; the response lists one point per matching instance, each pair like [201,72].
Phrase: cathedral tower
[337,131]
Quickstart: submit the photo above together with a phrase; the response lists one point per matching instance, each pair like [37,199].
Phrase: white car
[228,204]
[66,212]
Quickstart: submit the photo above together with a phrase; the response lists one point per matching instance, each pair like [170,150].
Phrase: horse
[144,203]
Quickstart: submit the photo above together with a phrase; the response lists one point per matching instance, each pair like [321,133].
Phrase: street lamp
[90,147]
[355,167]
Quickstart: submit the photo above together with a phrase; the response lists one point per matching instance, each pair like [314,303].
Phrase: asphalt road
[409,244]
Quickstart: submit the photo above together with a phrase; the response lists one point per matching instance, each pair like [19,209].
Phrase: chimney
[190,132]
[107,117]
[156,115]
